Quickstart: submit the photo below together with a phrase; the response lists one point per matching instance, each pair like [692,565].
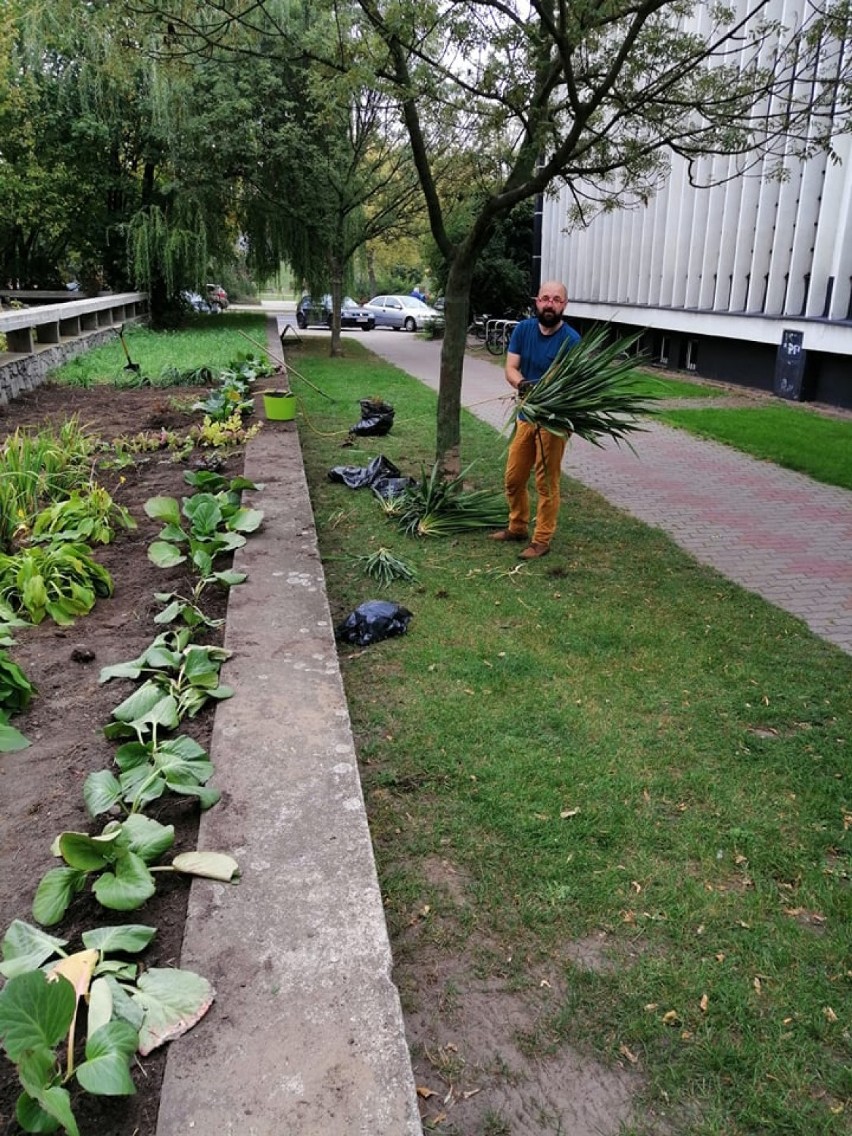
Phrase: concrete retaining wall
[19,373]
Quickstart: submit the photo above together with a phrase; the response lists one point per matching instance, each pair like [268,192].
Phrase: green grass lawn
[209,341]
[791,436]
[614,742]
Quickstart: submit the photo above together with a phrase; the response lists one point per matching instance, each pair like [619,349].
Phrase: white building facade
[747,281]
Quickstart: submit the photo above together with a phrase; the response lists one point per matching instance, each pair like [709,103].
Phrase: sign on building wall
[789,380]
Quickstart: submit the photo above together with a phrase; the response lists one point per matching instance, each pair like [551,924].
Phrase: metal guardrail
[28,329]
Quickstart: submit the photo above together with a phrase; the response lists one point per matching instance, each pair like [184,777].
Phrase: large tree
[319,168]
[595,93]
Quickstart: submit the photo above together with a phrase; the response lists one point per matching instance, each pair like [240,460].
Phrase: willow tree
[597,94]
[319,161]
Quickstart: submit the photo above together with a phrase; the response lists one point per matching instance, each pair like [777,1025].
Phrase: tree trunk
[336,297]
[456,307]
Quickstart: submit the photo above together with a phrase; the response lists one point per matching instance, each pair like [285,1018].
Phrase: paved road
[775,532]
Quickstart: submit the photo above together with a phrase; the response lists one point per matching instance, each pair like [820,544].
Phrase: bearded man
[533,346]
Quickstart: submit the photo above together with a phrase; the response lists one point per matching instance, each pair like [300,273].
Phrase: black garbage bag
[361,477]
[376,418]
[387,487]
[373,621]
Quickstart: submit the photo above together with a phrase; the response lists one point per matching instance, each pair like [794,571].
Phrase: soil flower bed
[41,787]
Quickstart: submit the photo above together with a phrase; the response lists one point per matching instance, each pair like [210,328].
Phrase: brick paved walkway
[775,532]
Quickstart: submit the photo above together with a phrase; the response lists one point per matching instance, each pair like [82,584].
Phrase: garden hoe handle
[131,366]
[287,366]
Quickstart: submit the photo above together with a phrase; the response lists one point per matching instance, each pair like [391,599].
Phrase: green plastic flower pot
[279,406]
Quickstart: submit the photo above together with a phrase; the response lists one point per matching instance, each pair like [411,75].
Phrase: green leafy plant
[216,524]
[172,376]
[16,690]
[230,398]
[149,769]
[62,581]
[591,389]
[128,1010]
[36,468]
[87,516]
[10,738]
[222,435]
[187,610]
[119,862]
[181,677]
[436,506]
[248,366]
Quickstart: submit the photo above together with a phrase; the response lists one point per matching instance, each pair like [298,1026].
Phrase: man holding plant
[533,346]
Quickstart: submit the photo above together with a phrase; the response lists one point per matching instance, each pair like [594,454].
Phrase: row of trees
[315,129]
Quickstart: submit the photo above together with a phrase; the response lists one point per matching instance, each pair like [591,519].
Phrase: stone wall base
[20,373]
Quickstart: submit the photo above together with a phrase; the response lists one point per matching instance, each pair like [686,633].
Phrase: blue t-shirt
[538,351]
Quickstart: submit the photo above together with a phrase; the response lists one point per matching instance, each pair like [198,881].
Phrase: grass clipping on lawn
[591,389]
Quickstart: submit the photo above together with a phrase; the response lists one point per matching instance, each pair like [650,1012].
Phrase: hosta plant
[149,769]
[128,1010]
[62,581]
[202,527]
[87,516]
[120,863]
[180,676]
[10,738]
[16,690]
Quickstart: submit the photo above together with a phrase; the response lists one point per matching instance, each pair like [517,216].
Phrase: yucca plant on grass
[436,506]
[591,390]
[384,567]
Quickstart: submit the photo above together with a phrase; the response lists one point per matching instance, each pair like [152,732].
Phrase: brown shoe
[534,551]
[507,534]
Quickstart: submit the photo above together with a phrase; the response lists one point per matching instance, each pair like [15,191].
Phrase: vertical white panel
[785,233]
[683,242]
[764,238]
[729,237]
[804,237]
[709,238]
[834,206]
[741,269]
[671,233]
[659,239]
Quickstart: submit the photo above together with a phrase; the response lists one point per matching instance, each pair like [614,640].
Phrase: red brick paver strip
[777,533]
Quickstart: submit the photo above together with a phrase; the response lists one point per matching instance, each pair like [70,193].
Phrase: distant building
[749,281]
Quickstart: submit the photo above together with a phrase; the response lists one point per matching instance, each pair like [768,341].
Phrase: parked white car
[406,312]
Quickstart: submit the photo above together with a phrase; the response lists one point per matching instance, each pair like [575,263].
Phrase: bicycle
[476,331]
[498,333]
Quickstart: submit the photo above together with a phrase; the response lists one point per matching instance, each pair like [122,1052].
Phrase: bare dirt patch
[41,787]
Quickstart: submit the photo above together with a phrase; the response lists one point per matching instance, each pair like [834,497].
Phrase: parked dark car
[312,312]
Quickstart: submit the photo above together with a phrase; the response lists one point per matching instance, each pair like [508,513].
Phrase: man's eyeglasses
[551,300]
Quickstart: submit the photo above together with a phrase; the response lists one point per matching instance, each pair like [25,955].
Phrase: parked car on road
[317,312]
[216,294]
[404,312]
[199,303]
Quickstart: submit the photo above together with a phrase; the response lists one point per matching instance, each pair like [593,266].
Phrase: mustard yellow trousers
[534,448]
